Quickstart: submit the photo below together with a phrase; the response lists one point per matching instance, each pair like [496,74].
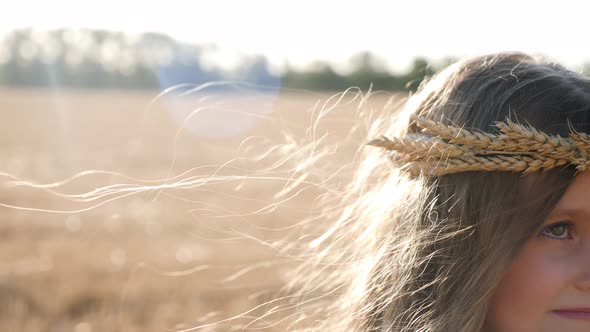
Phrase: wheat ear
[454,134]
[413,147]
[533,140]
[522,164]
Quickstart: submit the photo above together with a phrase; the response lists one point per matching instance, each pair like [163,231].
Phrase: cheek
[528,290]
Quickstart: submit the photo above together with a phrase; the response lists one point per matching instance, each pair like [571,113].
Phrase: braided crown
[444,149]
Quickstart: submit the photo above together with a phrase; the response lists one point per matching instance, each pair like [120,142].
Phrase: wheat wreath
[444,149]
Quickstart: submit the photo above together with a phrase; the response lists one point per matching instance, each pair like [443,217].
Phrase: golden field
[101,247]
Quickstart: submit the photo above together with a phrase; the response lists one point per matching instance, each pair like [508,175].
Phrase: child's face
[552,273]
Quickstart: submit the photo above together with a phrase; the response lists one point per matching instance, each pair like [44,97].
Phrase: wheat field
[153,260]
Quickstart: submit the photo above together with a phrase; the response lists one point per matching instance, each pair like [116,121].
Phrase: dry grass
[146,262]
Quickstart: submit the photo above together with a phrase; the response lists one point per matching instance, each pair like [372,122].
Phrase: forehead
[576,199]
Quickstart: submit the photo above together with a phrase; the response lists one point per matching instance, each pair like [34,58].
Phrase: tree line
[114,60]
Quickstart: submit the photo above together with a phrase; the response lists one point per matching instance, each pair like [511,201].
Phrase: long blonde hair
[425,254]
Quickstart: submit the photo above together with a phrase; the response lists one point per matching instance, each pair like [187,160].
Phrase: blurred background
[115,116]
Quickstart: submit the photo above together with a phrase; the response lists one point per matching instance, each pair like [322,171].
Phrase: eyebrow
[570,212]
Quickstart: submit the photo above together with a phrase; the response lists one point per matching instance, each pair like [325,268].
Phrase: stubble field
[109,244]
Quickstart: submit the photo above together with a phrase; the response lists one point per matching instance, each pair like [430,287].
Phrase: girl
[468,214]
[452,236]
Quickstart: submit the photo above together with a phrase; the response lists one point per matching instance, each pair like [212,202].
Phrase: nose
[583,279]
[583,283]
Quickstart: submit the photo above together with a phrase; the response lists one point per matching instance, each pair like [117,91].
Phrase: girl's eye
[559,231]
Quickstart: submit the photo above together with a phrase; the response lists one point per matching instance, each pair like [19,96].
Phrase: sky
[303,31]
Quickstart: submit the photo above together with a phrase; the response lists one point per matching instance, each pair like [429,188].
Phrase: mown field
[78,255]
